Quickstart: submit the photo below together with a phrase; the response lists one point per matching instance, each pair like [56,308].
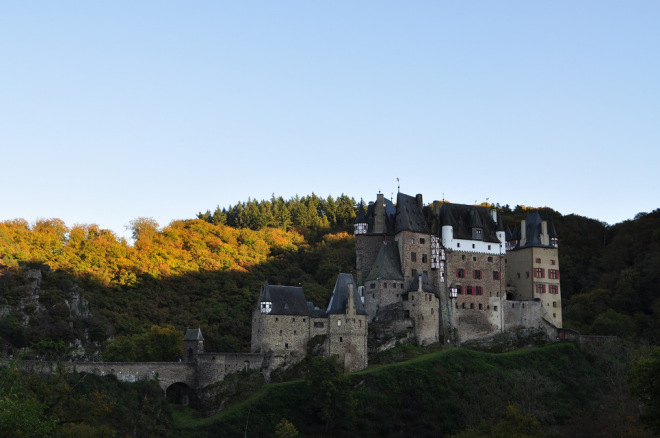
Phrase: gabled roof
[387,265]
[287,300]
[462,218]
[193,335]
[533,230]
[342,293]
[380,216]
[410,215]
[426,284]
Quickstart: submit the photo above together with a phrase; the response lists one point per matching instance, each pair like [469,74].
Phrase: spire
[500,225]
[361,220]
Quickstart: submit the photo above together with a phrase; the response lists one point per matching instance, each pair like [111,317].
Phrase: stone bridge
[208,368]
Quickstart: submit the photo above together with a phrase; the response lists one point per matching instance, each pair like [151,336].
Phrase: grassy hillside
[570,392]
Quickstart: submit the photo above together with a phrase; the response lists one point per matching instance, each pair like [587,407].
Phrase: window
[359,323]
[458,245]
[463,305]
[373,286]
[286,345]
[318,325]
[490,259]
[460,273]
[463,257]
[554,315]
[527,274]
[422,240]
[476,274]
[539,272]
[553,262]
[496,275]
[474,259]
[424,258]
[553,289]
[276,318]
[553,273]
[469,290]
[494,308]
[473,245]
[538,261]
[489,247]
[384,285]
[280,332]
[413,256]
[304,319]
[554,304]
[293,319]
[459,289]
[339,323]
[414,272]
[295,332]
[341,339]
[481,307]
[540,288]
[479,290]
[471,305]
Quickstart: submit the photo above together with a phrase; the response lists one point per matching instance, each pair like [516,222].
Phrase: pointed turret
[361,224]
[554,238]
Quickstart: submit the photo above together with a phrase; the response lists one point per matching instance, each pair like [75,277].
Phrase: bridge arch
[180,393]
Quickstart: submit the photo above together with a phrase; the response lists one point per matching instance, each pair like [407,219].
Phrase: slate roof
[410,215]
[387,265]
[426,284]
[361,217]
[465,217]
[341,295]
[287,300]
[533,228]
[193,335]
[388,210]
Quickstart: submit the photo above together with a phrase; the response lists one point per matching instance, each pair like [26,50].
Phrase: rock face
[33,310]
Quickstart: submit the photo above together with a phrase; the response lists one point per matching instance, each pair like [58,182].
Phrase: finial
[398,186]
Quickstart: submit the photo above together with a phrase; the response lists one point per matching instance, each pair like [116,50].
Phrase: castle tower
[533,267]
[347,325]
[193,344]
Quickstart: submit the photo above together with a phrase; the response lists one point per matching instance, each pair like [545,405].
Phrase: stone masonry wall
[347,338]
[213,367]
[423,308]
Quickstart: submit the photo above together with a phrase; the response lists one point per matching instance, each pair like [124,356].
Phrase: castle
[428,273]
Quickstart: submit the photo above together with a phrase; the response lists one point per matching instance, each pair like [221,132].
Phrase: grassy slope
[433,395]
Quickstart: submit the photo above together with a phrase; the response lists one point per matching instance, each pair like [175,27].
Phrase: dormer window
[477,234]
[266,306]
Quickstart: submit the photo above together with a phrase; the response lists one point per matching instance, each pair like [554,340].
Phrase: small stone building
[285,325]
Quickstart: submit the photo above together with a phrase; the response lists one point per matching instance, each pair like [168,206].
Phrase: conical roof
[342,293]
[387,265]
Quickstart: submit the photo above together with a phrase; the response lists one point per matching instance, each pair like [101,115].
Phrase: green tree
[513,424]
[645,384]
[286,429]
[330,392]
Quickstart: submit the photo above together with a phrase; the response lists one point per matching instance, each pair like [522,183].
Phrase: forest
[73,292]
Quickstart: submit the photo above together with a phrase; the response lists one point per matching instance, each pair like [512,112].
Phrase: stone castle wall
[347,338]
[213,367]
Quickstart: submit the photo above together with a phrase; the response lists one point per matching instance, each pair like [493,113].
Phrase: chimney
[420,202]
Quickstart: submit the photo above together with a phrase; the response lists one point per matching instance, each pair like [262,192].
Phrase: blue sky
[111,111]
